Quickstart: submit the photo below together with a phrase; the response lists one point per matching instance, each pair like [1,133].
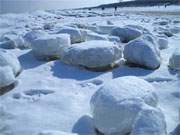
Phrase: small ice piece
[163,43]
[174,61]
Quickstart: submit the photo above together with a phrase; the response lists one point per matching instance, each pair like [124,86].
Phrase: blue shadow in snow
[65,71]
[130,71]
[84,126]
[28,61]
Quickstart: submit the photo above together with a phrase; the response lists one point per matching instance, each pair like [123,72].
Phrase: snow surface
[55,96]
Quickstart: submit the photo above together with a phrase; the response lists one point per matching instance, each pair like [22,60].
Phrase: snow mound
[9,59]
[32,35]
[96,54]
[6,76]
[163,43]
[126,34]
[150,121]
[55,132]
[50,46]
[116,104]
[174,61]
[75,34]
[143,52]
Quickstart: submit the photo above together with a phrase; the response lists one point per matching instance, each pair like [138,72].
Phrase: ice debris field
[90,72]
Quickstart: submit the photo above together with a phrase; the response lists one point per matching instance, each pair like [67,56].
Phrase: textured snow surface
[55,97]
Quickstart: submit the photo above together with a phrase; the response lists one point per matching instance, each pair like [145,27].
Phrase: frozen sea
[66,108]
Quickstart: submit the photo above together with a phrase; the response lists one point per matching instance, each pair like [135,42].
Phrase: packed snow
[137,88]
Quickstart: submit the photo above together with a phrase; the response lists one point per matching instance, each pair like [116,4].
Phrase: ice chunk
[150,121]
[143,52]
[174,61]
[163,43]
[126,34]
[96,54]
[75,34]
[9,59]
[116,104]
[50,46]
[32,35]
[6,76]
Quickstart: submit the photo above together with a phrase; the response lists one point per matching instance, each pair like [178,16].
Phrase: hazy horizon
[14,6]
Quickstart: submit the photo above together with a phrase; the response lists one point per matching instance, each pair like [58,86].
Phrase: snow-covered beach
[54,95]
